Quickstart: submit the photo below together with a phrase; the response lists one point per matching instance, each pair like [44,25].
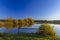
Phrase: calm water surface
[32,29]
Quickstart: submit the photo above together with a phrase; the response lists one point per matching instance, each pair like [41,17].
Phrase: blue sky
[36,9]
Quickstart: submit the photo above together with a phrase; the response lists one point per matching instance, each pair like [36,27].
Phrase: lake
[31,29]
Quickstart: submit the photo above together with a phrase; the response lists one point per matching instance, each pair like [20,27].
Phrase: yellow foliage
[9,23]
[1,24]
[16,23]
[20,23]
[29,22]
[46,30]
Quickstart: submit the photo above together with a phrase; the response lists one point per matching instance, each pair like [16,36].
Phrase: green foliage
[45,30]
[25,36]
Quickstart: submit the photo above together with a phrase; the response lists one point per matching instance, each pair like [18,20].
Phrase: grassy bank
[24,36]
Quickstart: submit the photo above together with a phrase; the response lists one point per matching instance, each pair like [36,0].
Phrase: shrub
[45,30]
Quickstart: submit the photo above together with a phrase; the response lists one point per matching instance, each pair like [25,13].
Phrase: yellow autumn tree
[29,22]
[1,24]
[8,23]
[46,29]
[15,22]
[20,23]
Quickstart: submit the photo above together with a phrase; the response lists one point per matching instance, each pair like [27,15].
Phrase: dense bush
[45,30]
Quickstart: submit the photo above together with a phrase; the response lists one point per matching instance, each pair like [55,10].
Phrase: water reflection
[32,29]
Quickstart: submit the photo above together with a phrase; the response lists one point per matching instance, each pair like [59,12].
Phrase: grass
[24,36]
